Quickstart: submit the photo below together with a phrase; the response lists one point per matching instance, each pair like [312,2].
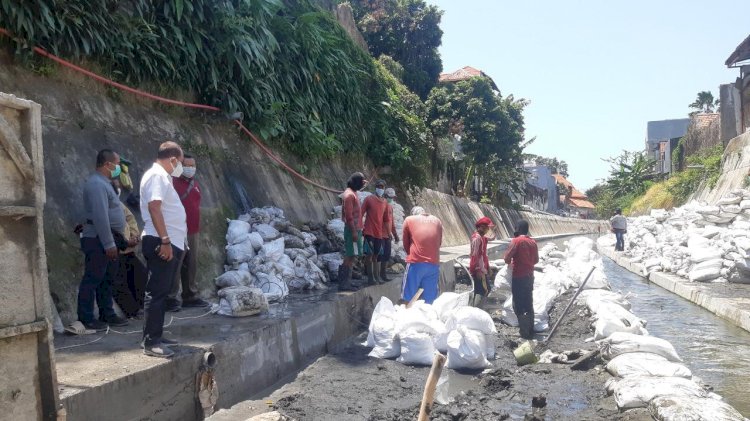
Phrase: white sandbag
[704,275]
[643,364]
[273,250]
[729,199]
[446,302]
[592,297]
[605,327]
[637,392]
[470,318]
[233,278]
[503,279]
[622,343]
[745,204]
[239,253]
[256,240]
[416,348]
[237,231]
[609,310]
[682,408]
[659,214]
[419,319]
[698,255]
[241,301]
[384,308]
[267,232]
[273,287]
[466,349]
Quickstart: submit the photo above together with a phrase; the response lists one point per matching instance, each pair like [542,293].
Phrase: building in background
[662,138]
[541,188]
[571,201]
[735,97]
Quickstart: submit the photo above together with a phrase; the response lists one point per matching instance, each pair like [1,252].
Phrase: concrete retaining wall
[734,170]
[728,301]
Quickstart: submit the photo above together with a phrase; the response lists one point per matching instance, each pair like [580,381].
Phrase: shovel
[525,352]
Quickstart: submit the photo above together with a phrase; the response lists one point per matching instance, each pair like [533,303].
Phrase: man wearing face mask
[101,206]
[190,194]
[389,234]
[375,209]
[164,242]
[351,214]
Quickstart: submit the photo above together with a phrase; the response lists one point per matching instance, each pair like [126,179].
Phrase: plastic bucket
[525,354]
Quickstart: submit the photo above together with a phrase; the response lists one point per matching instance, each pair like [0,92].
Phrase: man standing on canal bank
[390,233]
[351,214]
[522,255]
[422,236]
[619,227]
[164,241]
[375,207]
[479,265]
[104,217]
[190,195]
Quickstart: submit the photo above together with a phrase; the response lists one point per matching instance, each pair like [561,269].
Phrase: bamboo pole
[415,298]
[429,388]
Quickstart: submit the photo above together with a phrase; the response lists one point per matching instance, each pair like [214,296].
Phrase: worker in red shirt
[522,255]
[479,265]
[351,214]
[390,233]
[422,236]
[375,211]
[189,190]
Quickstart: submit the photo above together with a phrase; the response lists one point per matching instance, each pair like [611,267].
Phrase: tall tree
[407,30]
[704,102]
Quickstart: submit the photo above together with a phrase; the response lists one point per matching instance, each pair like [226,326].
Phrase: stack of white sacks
[266,257]
[336,226]
[647,370]
[412,335]
[699,242]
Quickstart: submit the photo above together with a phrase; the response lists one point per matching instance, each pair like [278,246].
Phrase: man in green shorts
[351,214]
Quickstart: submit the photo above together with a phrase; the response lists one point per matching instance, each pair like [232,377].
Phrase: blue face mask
[116,172]
[380,192]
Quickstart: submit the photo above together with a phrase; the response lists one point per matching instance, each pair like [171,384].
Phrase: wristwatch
[165,240]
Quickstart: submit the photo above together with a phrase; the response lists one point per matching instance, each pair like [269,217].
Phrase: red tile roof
[464,73]
[702,120]
[581,203]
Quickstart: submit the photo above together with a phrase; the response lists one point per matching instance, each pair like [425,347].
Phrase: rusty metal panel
[28,386]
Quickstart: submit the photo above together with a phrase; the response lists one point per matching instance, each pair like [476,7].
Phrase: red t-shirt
[191,202]
[479,263]
[377,217]
[522,255]
[350,209]
[422,237]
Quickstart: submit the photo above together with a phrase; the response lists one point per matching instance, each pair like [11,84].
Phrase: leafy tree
[409,32]
[630,173]
[491,129]
[556,166]
[704,102]
[595,193]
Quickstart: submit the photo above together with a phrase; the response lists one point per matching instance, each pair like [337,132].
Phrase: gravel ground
[349,385]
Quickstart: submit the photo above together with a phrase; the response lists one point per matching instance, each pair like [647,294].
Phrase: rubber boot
[340,277]
[526,325]
[376,273]
[345,282]
[383,268]
[369,272]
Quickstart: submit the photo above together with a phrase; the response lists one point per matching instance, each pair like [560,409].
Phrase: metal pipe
[552,332]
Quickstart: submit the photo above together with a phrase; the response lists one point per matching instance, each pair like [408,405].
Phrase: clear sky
[595,71]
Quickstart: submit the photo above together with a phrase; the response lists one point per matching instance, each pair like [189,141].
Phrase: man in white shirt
[619,227]
[164,237]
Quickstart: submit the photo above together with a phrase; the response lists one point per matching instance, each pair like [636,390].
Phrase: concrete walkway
[726,300]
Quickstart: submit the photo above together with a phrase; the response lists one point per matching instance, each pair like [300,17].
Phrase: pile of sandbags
[412,335]
[265,251]
[697,241]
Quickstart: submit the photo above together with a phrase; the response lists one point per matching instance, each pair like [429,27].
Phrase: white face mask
[188,172]
[177,171]
[379,192]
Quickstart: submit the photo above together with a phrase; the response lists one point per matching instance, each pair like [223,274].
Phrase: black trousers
[129,287]
[96,283]
[523,294]
[158,286]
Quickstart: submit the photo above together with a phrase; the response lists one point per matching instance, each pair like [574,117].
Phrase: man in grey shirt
[619,226]
[104,214]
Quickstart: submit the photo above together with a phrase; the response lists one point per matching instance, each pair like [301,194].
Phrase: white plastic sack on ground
[593,297]
[267,232]
[622,343]
[241,301]
[237,231]
[273,287]
[384,308]
[470,318]
[446,302]
[233,278]
[503,279]
[637,392]
[702,254]
[273,250]
[604,327]
[681,408]
[416,348]
[607,310]
[256,240]
[384,339]
[467,349]
[238,253]
[646,364]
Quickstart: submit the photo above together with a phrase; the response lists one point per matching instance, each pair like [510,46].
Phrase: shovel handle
[415,297]
[572,300]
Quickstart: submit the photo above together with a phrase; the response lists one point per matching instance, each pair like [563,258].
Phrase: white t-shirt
[156,184]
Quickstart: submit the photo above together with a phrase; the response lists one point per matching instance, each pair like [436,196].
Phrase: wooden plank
[15,149]
[11,331]
[18,212]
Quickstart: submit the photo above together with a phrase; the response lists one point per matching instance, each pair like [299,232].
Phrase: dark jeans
[130,284]
[161,275]
[185,275]
[96,283]
[523,294]
[620,243]
[386,255]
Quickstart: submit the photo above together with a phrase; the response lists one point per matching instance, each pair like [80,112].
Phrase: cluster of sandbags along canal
[697,241]
[267,257]
[646,372]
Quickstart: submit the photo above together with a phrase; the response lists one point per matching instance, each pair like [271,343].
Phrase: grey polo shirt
[619,222]
[102,207]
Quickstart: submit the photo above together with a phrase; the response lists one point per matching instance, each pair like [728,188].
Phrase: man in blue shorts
[422,236]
